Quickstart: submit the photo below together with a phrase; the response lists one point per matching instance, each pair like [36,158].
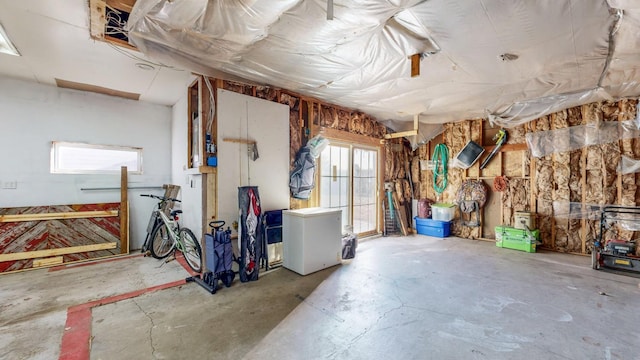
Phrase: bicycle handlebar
[217,224]
[161,198]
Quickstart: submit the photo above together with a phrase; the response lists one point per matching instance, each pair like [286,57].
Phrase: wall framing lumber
[346,136]
[583,184]
[124,211]
[54,252]
[58,216]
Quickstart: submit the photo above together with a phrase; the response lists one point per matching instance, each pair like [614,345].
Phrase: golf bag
[249,232]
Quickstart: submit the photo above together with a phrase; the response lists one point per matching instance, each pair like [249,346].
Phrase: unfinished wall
[558,187]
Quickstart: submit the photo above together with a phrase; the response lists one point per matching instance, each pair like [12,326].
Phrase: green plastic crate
[516,239]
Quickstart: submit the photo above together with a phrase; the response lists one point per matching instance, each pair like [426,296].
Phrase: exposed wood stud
[401,134]
[124,212]
[415,65]
[583,186]
[400,214]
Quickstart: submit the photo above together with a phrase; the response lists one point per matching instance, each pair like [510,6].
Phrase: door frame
[342,137]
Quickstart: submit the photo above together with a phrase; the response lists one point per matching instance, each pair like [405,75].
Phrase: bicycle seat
[176,212]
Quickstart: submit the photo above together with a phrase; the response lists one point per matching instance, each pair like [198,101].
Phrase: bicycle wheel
[161,243]
[192,251]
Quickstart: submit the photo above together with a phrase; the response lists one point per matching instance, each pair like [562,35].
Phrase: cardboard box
[524,219]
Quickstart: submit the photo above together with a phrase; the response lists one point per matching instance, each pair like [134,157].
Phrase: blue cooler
[432,227]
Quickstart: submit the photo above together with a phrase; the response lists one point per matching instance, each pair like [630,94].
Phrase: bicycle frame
[173,229]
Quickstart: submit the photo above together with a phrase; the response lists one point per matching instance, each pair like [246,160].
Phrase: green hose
[390,205]
[440,159]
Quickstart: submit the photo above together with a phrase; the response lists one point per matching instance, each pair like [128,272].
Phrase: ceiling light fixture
[6,46]
[144,66]
[508,57]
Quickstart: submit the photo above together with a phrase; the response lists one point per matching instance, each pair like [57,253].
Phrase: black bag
[349,245]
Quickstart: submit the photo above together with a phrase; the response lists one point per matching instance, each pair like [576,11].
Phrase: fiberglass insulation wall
[547,185]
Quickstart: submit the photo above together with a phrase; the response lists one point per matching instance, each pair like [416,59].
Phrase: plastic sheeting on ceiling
[566,52]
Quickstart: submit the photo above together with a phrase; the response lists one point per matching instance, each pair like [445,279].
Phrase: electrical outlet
[10,185]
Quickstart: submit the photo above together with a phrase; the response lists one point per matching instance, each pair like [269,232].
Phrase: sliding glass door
[365,190]
[349,181]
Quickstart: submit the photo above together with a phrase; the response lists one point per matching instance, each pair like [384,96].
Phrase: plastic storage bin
[443,211]
[516,239]
[432,227]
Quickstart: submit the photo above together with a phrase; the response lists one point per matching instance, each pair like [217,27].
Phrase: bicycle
[167,236]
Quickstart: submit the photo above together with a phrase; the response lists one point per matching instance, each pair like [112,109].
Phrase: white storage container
[443,211]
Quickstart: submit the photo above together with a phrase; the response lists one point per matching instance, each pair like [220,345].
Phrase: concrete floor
[400,298]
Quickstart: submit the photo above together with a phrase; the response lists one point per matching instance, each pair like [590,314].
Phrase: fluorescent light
[6,46]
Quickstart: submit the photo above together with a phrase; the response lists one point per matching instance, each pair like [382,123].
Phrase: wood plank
[97,20]
[238,140]
[58,216]
[347,136]
[124,212]
[207,169]
[96,89]
[532,177]
[401,134]
[553,196]
[125,5]
[507,147]
[55,252]
[583,187]
[401,214]
[48,261]
[415,65]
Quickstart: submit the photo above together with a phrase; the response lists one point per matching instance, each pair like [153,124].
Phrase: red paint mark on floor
[77,333]
[181,260]
[76,338]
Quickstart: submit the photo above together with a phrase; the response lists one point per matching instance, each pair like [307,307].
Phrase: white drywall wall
[34,115]
[249,118]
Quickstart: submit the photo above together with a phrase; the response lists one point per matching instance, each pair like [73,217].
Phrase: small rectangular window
[80,158]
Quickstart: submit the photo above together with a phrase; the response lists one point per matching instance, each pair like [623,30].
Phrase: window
[79,158]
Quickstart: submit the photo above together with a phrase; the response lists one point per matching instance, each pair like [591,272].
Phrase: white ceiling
[54,41]
[569,51]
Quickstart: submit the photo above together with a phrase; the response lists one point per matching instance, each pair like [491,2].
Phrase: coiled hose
[440,160]
[500,183]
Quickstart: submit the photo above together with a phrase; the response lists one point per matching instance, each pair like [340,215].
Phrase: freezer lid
[310,212]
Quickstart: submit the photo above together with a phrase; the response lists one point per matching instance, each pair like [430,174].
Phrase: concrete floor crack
[366,330]
[153,325]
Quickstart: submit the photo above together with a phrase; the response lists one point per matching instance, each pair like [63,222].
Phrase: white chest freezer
[311,239]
